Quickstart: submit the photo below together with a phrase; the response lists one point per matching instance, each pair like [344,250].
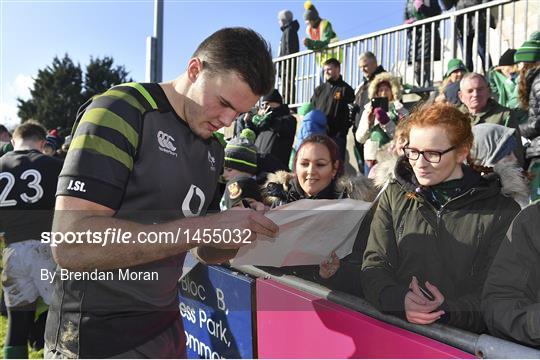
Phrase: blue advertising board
[216,309]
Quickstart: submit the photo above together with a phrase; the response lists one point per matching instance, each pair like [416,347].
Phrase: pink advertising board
[295,324]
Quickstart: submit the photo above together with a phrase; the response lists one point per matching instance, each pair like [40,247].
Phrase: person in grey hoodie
[493,152]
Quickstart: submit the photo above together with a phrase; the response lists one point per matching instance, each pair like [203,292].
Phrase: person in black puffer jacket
[333,98]
[529,96]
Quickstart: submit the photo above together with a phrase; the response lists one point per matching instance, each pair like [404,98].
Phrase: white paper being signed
[309,230]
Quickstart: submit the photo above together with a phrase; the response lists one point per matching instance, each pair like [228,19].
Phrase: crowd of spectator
[453,173]
[423,43]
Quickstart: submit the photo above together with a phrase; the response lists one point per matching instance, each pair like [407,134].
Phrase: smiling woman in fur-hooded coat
[317,175]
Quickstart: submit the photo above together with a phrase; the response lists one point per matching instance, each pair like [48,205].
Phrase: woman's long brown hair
[524,88]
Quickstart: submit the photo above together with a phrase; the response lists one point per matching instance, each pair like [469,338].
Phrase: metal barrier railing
[483,346]
[398,51]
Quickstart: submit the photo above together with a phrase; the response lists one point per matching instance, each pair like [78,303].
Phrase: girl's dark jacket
[451,246]
[282,188]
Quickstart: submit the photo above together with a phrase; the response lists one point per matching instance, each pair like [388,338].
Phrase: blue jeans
[486,60]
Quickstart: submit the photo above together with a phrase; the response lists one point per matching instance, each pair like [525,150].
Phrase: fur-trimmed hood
[513,182]
[389,78]
[383,171]
[358,187]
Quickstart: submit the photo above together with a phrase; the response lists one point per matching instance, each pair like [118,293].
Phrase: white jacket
[363,132]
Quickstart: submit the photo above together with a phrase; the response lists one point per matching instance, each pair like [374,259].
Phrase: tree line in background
[60,89]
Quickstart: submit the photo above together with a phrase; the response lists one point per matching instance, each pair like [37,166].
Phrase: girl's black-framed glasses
[431,156]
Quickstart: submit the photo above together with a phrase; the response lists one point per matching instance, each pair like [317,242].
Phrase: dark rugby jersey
[132,153]
[27,186]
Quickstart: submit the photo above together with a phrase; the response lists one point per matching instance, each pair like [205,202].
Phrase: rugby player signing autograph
[144,159]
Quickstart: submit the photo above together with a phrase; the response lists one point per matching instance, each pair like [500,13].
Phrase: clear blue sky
[33,32]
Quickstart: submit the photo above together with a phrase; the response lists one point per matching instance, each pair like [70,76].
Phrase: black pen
[246,204]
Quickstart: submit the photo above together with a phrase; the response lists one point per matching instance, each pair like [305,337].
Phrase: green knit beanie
[241,153]
[453,65]
[530,50]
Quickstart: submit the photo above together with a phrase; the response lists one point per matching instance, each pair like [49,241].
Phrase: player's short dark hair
[30,130]
[333,61]
[241,50]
